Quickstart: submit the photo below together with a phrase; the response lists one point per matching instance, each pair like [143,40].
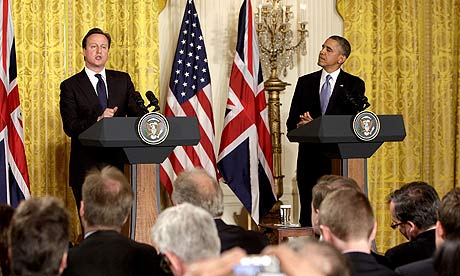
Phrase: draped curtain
[48,44]
[407,52]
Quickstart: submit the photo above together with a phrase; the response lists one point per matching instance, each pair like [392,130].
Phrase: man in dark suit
[414,209]
[197,187]
[447,228]
[89,96]
[347,222]
[329,91]
[106,204]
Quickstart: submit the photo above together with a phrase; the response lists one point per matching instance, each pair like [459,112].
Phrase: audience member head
[185,234]
[39,237]
[107,199]
[414,208]
[326,258]
[197,187]
[347,221]
[325,185]
[446,260]
[6,213]
[448,225]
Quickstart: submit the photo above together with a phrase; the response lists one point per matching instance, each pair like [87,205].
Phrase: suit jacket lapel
[86,87]
[338,90]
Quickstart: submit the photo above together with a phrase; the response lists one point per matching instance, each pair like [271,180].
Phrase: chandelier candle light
[273,26]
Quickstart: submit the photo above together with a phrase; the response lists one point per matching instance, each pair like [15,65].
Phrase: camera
[258,265]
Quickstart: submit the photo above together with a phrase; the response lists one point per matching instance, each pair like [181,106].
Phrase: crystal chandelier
[273,25]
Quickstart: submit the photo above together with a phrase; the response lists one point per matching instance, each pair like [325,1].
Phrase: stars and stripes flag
[190,95]
[245,158]
[14,179]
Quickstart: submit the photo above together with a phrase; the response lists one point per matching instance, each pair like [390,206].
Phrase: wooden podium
[335,136]
[120,134]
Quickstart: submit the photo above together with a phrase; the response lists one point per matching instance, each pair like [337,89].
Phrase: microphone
[140,102]
[153,100]
[359,103]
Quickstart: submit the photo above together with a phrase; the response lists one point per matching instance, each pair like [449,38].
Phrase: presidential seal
[366,125]
[153,128]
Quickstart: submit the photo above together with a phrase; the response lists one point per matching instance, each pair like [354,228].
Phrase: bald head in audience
[197,187]
[323,256]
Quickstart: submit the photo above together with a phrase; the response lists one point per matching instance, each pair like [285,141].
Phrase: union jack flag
[14,179]
[245,158]
[190,95]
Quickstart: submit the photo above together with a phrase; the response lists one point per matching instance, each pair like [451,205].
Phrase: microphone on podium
[153,101]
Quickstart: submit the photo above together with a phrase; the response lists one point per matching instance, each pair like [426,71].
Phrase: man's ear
[326,233]
[175,264]
[413,230]
[440,232]
[373,233]
[82,209]
[63,264]
[342,59]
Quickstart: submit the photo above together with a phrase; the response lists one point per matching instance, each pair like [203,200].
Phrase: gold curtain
[48,45]
[407,53]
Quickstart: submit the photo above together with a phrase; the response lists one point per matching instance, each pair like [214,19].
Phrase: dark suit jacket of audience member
[363,264]
[80,107]
[419,268]
[312,163]
[110,253]
[232,235]
[422,247]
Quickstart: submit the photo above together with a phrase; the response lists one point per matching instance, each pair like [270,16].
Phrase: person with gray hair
[197,187]
[38,237]
[414,209]
[185,234]
[106,204]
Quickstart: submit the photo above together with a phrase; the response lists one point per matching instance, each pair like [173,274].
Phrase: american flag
[14,179]
[245,158]
[190,95]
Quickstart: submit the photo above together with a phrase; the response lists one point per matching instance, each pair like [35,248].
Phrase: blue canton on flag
[190,95]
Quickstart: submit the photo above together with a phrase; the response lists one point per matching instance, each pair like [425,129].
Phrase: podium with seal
[350,139]
[143,143]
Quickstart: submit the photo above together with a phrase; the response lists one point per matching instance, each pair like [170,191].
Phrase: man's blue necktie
[325,94]
[101,91]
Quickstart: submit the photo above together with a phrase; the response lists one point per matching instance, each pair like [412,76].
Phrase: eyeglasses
[395,225]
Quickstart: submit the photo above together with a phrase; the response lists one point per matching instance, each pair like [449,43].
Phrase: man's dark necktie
[101,91]
[325,94]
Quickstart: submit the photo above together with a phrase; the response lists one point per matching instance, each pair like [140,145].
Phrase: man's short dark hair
[449,214]
[417,202]
[107,197]
[344,44]
[95,31]
[329,183]
[38,237]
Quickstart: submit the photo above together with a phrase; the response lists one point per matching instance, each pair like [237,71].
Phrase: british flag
[245,158]
[190,95]
[14,179]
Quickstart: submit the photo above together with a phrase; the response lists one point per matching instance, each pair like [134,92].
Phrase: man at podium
[89,96]
[330,91]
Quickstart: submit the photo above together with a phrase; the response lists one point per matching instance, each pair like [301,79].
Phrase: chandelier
[275,36]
